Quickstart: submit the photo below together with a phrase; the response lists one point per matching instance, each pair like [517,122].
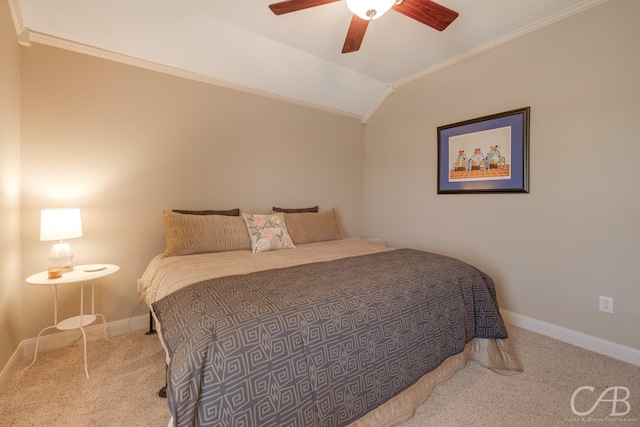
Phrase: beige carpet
[127,371]
[125,374]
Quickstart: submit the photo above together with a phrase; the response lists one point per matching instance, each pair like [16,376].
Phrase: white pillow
[267,232]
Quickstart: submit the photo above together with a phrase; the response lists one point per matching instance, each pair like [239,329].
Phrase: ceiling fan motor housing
[370,9]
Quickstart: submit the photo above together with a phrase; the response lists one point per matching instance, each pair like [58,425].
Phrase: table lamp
[60,224]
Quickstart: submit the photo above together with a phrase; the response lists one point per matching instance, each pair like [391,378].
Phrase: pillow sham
[295,210]
[230,212]
[267,232]
[313,227]
[194,234]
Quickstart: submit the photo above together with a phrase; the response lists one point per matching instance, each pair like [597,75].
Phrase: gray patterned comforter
[318,344]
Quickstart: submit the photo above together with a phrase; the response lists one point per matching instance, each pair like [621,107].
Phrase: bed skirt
[494,354]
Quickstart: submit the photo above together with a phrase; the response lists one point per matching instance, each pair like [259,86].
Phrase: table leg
[55,323]
[35,355]
[104,325]
[84,339]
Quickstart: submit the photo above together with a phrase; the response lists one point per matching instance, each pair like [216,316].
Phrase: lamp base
[61,256]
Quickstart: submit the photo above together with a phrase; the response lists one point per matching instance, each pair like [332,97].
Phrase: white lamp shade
[370,9]
[60,223]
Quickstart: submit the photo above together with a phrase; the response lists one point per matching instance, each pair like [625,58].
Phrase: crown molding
[46,39]
[24,35]
[581,7]
[391,89]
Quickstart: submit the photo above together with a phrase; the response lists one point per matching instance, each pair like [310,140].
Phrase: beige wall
[124,143]
[576,235]
[10,276]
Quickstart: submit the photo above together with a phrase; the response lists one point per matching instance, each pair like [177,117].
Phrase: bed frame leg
[152,328]
[163,391]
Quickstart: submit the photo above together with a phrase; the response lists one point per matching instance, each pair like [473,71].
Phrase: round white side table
[81,274]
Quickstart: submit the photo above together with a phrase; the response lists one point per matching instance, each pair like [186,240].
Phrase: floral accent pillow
[267,232]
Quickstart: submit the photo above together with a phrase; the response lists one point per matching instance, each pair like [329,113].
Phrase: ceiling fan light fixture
[370,9]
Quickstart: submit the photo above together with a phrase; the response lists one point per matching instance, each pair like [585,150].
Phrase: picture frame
[488,154]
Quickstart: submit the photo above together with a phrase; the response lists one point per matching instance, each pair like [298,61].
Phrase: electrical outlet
[606,304]
[138,285]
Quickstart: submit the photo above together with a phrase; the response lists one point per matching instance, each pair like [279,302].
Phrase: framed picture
[485,155]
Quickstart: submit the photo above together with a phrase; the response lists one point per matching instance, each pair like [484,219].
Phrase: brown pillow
[296,210]
[231,212]
[309,227]
[194,234]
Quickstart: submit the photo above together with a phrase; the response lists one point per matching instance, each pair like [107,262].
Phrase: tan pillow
[267,232]
[313,227]
[195,234]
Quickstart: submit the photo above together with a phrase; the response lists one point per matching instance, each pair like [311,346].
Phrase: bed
[311,328]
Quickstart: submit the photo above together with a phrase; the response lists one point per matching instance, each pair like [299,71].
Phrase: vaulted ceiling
[296,56]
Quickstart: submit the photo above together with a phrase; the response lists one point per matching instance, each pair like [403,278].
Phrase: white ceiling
[296,56]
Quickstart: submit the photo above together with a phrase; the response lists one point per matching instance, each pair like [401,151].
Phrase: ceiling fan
[426,11]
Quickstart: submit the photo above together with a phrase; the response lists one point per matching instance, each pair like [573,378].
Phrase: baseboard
[61,339]
[588,342]
[10,368]
[94,332]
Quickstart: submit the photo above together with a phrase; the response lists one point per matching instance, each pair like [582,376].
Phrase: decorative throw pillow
[313,227]
[230,212]
[195,234]
[296,210]
[267,232]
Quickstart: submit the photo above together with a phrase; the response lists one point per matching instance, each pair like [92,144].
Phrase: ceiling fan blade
[295,5]
[355,34]
[428,12]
